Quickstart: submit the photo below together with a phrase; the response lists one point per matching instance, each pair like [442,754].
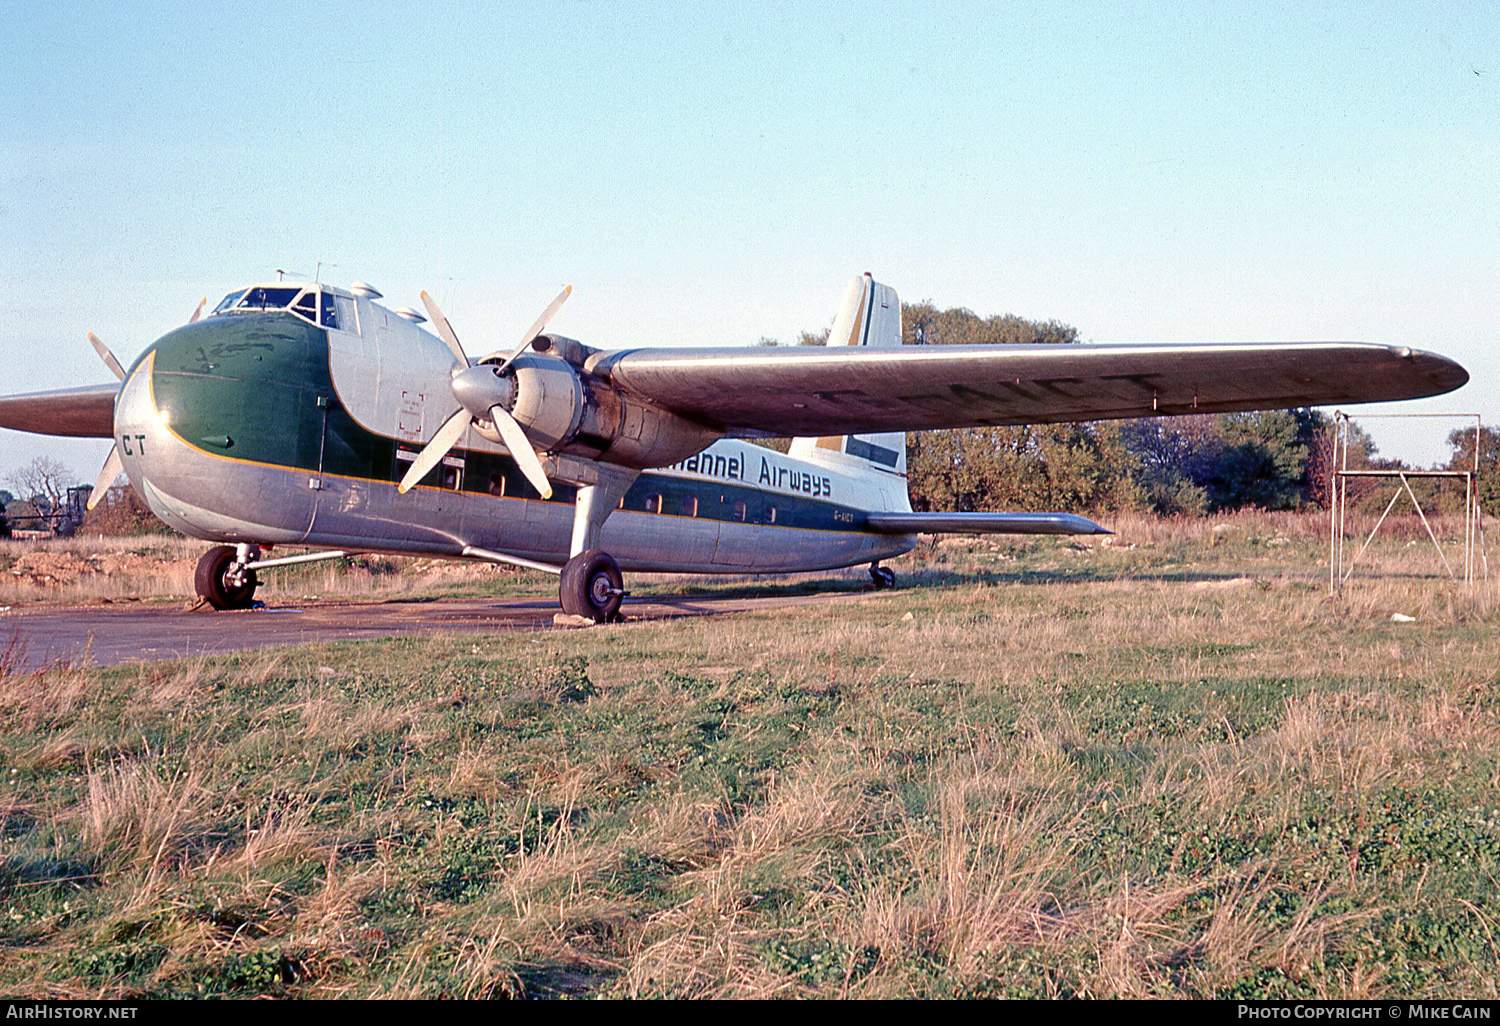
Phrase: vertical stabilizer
[869,315]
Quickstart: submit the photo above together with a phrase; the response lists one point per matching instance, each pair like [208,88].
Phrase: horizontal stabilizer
[983,523]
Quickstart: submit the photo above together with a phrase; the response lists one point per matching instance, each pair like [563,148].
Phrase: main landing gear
[592,587]
[883,576]
[223,581]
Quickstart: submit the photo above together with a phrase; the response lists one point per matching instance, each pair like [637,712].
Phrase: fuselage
[294,423]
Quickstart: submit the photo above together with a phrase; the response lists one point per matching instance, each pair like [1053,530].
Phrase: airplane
[301,413]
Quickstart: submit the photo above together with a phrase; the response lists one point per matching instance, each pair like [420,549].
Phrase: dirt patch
[61,568]
[54,568]
[141,565]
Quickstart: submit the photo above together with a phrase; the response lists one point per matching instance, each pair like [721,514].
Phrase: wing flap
[86,412]
[849,390]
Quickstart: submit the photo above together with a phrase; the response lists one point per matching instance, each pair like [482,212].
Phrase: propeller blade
[536,329]
[520,448]
[107,356]
[444,330]
[198,312]
[112,468]
[446,438]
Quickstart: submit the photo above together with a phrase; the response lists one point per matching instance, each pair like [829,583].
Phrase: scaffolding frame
[1338,508]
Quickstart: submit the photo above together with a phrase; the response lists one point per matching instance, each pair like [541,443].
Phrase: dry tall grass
[1053,769]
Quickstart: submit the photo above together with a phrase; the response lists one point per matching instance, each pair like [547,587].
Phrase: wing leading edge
[850,390]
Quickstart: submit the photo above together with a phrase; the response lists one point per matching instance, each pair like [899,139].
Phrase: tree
[1262,459]
[1273,459]
[1461,448]
[43,482]
[121,512]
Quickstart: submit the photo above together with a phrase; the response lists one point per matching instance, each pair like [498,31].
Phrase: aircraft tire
[883,576]
[592,586]
[211,580]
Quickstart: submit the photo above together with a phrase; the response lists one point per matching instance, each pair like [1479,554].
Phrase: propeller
[198,312]
[481,391]
[112,463]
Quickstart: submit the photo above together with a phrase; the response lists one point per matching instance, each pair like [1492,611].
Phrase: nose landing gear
[222,579]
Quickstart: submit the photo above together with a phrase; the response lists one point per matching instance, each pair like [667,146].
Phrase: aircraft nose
[140,429]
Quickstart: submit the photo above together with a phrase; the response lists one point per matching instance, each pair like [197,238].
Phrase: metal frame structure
[1338,507]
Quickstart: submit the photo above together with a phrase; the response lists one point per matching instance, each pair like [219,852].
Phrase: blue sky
[713,174]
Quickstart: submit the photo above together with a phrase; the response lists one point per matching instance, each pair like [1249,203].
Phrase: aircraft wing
[855,390]
[87,412]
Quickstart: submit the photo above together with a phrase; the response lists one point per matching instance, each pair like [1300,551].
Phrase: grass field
[1170,766]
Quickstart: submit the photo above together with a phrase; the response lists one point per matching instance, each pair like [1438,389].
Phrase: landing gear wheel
[883,576]
[592,586]
[221,582]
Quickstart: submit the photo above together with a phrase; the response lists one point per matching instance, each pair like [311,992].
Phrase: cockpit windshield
[228,301]
[315,305]
[262,298]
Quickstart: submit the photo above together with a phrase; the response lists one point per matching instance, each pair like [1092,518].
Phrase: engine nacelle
[564,410]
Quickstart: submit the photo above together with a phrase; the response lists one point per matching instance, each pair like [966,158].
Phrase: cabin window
[653,503]
[740,510]
[449,474]
[770,514]
[689,506]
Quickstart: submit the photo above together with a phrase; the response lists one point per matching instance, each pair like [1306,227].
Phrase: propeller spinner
[481,391]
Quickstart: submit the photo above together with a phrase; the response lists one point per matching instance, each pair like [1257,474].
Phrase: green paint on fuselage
[249,387]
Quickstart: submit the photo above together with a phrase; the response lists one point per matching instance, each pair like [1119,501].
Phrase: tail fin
[869,315]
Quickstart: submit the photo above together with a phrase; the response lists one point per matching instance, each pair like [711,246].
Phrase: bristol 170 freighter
[304,414]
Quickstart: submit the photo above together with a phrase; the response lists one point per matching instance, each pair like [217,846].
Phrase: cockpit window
[228,301]
[261,298]
[330,312]
[307,305]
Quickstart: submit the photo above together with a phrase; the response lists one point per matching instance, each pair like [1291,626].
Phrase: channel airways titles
[772,474]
